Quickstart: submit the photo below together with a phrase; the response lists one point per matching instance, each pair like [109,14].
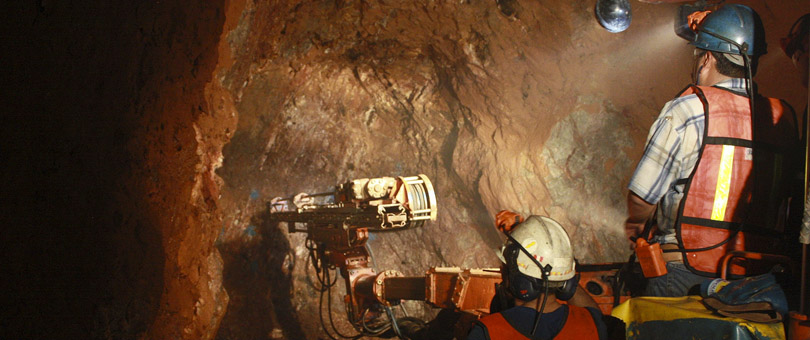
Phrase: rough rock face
[505,105]
[141,141]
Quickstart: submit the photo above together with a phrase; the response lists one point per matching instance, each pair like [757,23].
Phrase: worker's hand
[632,231]
[505,220]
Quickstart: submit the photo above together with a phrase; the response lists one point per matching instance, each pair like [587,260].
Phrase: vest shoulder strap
[497,328]
[580,325]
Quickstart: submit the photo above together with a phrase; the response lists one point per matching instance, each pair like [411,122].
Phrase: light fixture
[613,15]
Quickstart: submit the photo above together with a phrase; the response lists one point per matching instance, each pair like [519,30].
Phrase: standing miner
[718,173]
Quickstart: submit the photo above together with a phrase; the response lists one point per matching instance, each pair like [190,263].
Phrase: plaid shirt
[671,153]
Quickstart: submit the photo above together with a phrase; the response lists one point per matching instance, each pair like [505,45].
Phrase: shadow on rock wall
[258,279]
[99,166]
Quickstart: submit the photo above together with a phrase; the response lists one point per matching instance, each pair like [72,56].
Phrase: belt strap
[672,256]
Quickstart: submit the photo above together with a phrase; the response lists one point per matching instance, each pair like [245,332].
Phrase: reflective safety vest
[736,197]
[578,325]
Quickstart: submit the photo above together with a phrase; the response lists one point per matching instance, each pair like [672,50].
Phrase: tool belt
[675,256]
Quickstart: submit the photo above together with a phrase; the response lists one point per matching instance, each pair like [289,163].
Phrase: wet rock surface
[141,142]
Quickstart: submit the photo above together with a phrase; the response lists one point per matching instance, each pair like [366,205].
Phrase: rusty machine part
[338,223]
[600,286]
[468,290]
[472,290]
[378,287]
[465,290]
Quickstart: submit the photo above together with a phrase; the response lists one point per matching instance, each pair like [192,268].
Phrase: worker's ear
[708,62]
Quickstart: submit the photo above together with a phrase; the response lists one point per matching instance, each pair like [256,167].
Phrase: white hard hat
[548,243]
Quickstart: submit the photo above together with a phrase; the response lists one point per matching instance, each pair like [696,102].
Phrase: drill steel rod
[330,193]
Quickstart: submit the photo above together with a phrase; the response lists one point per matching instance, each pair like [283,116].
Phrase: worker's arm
[582,299]
[638,212]
[660,165]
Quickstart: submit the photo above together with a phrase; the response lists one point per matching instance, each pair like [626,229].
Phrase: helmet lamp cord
[545,296]
[544,272]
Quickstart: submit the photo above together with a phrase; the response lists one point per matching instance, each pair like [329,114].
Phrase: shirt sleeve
[657,168]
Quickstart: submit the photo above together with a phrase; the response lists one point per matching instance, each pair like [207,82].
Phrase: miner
[538,272]
[718,174]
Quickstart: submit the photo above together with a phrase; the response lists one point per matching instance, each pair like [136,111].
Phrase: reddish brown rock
[142,140]
[504,105]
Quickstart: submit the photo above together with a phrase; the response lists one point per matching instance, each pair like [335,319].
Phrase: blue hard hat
[734,22]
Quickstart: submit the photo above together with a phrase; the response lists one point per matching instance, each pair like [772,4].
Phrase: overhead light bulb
[613,15]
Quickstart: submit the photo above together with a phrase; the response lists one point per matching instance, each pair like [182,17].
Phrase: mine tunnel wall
[141,140]
[109,150]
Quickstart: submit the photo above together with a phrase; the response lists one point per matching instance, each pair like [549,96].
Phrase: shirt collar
[733,84]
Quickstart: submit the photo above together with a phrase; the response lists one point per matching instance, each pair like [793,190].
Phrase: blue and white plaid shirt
[671,153]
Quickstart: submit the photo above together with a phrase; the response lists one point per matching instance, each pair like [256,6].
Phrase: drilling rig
[337,224]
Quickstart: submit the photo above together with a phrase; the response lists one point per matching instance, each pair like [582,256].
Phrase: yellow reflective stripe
[723,183]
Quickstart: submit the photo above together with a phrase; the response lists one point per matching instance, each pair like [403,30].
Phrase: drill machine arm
[338,228]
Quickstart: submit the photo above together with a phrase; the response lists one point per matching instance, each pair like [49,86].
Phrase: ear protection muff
[567,290]
[521,286]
